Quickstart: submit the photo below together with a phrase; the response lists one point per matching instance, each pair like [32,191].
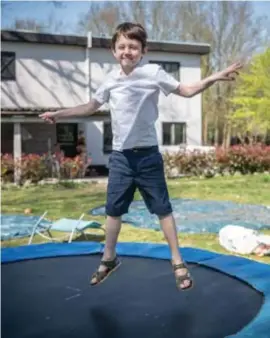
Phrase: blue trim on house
[254,273]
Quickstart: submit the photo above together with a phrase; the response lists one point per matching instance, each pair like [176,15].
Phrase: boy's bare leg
[262,250]
[113,227]
[170,233]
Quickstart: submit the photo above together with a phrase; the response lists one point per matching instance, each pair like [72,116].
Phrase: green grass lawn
[70,200]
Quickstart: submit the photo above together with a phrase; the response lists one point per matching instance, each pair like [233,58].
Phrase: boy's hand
[48,116]
[228,74]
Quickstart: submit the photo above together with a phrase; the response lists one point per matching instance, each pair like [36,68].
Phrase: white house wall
[46,76]
[102,62]
[94,136]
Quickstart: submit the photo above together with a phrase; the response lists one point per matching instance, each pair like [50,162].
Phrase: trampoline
[46,293]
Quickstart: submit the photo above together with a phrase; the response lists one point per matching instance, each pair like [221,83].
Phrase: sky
[41,10]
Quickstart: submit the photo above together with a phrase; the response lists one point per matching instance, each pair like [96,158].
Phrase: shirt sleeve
[102,94]
[166,82]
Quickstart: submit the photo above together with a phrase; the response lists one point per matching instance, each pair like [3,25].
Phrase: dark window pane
[107,137]
[8,66]
[172,68]
[179,133]
[166,133]
[66,136]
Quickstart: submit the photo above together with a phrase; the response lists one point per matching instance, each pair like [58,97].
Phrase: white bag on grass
[238,239]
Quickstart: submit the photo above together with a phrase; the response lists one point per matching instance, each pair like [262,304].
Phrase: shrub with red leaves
[38,167]
[246,159]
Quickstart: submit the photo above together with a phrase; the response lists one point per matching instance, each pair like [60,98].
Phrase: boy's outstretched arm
[189,90]
[81,110]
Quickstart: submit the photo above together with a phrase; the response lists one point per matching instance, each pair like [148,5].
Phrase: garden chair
[67,225]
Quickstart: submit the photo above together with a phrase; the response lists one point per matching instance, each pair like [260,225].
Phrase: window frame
[173,131]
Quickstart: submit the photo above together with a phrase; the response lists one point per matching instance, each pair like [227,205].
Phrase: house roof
[101,42]
[34,111]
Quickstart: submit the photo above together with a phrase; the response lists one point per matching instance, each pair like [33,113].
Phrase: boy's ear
[145,50]
[113,50]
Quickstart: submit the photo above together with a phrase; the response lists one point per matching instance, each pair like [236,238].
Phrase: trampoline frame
[256,274]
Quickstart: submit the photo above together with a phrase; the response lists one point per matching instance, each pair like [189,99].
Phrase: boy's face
[128,52]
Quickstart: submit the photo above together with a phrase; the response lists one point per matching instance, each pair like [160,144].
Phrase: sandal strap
[99,275]
[110,264]
[185,276]
[179,266]
[182,278]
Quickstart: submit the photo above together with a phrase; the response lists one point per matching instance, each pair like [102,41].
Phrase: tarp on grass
[196,216]
[16,226]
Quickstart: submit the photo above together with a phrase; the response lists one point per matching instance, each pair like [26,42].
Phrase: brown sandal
[185,277]
[110,266]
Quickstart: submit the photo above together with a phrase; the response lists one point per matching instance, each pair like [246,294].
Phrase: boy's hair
[130,30]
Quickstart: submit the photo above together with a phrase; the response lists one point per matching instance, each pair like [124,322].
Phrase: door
[66,136]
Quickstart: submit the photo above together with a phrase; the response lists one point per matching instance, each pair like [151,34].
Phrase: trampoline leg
[84,235]
[49,233]
[73,230]
[35,227]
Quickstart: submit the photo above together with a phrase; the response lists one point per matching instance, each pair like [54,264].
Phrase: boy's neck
[127,70]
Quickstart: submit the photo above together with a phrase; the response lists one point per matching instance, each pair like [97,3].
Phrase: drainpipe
[88,66]
[17,151]
[88,87]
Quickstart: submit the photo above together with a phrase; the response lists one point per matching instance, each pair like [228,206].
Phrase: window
[172,68]
[174,133]
[66,133]
[107,137]
[8,66]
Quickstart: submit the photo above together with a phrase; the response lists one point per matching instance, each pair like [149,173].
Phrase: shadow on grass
[98,238]
[88,238]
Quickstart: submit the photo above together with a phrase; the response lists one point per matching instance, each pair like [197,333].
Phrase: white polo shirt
[133,101]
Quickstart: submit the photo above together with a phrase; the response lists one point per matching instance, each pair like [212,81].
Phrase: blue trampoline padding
[48,250]
[254,273]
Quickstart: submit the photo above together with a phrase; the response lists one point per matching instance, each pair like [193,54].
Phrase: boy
[135,162]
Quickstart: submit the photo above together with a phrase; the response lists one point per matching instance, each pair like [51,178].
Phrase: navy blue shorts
[137,168]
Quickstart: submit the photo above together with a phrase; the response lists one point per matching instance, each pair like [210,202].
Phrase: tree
[252,97]
[100,18]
